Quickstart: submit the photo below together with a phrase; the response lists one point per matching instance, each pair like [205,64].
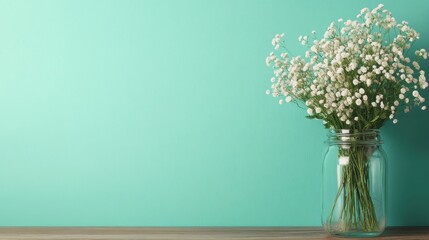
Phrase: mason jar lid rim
[354,136]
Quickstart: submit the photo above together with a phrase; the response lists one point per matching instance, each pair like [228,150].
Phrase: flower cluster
[357,76]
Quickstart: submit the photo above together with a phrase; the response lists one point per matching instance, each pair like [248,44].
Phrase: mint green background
[153,113]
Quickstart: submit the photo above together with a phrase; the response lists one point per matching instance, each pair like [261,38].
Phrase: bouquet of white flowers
[357,77]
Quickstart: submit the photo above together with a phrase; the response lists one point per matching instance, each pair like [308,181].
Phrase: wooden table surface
[203,233]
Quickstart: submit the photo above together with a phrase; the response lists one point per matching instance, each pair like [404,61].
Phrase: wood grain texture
[203,233]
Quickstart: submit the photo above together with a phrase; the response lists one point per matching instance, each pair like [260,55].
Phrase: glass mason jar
[354,184]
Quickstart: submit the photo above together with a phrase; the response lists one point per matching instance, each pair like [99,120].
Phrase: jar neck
[354,137]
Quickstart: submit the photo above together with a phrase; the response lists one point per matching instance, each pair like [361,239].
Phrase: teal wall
[154,113]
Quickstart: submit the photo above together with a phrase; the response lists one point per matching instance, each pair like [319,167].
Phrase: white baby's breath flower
[277,41]
[368,82]
[407,109]
[318,110]
[358,102]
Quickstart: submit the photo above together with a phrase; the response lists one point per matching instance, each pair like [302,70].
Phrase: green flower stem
[357,208]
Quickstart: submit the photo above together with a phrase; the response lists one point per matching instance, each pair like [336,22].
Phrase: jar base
[356,234]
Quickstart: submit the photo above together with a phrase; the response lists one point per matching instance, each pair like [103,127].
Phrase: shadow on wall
[407,148]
